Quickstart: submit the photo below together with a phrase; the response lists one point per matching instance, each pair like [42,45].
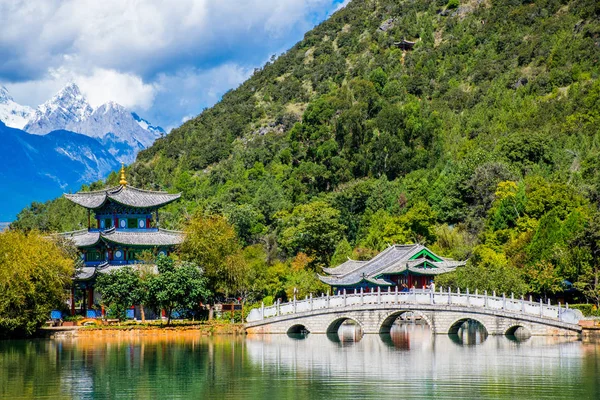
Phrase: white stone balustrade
[420,296]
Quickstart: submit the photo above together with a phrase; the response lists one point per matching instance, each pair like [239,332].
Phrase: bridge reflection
[409,349]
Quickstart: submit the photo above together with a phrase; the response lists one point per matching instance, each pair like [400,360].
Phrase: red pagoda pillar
[72,300]
[90,298]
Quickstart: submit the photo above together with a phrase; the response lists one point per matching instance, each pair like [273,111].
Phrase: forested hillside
[482,141]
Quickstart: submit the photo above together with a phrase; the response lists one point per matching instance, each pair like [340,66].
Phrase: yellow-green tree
[211,242]
[34,274]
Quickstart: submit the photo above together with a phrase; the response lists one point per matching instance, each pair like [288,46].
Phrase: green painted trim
[424,273]
[359,282]
[428,253]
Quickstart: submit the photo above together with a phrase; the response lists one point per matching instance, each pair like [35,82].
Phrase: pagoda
[127,224]
[406,266]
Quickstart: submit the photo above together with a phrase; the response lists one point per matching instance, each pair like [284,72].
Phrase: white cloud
[190,90]
[99,87]
[140,37]
[126,89]
[151,54]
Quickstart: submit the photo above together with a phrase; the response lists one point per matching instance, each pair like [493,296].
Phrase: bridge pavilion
[405,266]
[127,224]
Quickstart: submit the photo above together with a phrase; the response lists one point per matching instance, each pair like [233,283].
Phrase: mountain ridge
[481,140]
[56,162]
[68,109]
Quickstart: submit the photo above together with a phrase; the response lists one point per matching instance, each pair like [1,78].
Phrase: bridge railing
[419,296]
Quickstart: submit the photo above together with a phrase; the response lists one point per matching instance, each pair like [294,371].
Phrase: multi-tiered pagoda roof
[127,223]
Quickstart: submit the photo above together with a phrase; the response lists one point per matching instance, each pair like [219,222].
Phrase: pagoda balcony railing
[112,262]
[393,296]
[123,229]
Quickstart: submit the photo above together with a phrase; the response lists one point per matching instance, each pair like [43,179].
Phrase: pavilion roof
[125,195]
[395,259]
[87,273]
[157,237]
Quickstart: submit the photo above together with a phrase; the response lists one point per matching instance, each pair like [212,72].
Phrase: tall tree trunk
[142,313]
[596,286]
[210,312]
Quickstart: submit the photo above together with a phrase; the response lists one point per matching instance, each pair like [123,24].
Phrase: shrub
[452,4]
[588,310]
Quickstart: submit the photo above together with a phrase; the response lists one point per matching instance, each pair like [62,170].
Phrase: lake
[407,363]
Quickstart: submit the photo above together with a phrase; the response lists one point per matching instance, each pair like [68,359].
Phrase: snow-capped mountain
[116,119]
[66,108]
[123,132]
[63,144]
[13,114]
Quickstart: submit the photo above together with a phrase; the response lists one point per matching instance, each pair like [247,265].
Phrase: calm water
[407,363]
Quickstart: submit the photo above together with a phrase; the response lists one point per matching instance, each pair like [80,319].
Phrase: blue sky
[166,60]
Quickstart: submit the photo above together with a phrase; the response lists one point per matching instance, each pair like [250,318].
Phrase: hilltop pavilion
[405,266]
[127,223]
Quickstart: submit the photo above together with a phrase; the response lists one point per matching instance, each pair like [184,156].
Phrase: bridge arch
[334,324]
[455,326]
[388,321]
[298,329]
[513,330]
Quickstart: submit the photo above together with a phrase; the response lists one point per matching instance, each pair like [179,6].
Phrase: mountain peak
[70,96]
[5,96]
[110,106]
[64,108]
[13,114]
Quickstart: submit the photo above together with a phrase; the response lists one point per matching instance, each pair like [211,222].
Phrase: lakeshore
[142,329]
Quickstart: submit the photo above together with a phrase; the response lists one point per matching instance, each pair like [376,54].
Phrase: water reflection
[409,362]
[349,332]
[469,333]
[402,333]
[297,336]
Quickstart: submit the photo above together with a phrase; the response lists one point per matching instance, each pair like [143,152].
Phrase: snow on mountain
[146,125]
[13,114]
[124,133]
[114,118]
[114,124]
[65,108]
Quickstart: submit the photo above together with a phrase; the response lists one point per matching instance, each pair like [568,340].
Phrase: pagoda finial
[123,181]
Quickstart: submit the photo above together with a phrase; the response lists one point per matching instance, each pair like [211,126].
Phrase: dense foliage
[175,287]
[482,142]
[34,275]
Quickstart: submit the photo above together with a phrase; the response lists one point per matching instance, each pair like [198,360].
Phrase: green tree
[312,228]
[486,270]
[544,278]
[35,273]
[120,289]
[178,286]
[343,251]
[588,239]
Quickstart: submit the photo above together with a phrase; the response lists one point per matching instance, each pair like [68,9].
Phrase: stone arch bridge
[443,311]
